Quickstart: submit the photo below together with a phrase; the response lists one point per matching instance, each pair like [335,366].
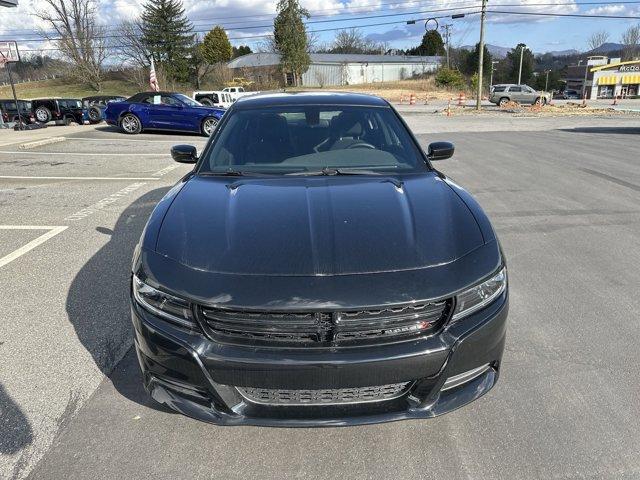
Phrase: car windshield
[188,101]
[312,140]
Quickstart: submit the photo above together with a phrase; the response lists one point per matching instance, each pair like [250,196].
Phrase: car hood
[317,226]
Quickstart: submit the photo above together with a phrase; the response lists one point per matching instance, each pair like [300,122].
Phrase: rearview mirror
[184,153]
[440,150]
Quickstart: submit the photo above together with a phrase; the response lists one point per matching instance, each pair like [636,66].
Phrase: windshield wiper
[330,171]
[229,172]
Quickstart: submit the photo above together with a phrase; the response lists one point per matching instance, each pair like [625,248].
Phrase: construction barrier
[412,99]
[462,100]
[449,108]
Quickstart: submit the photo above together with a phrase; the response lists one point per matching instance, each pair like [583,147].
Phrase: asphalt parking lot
[564,196]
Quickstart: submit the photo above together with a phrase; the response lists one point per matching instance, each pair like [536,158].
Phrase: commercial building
[580,77]
[329,69]
[616,79]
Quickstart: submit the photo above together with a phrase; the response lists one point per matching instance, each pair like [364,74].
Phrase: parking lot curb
[38,143]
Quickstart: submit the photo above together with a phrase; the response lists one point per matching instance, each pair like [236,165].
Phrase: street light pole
[522,47]
[491,77]
[483,14]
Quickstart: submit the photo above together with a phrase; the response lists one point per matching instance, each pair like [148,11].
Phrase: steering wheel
[361,145]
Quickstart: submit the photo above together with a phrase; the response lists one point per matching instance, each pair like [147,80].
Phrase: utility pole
[546,82]
[522,47]
[483,14]
[447,39]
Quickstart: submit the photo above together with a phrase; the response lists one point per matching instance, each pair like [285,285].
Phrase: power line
[111,47]
[466,3]
[573,15]
[366,17]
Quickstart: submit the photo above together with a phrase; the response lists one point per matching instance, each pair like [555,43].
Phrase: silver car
[501,94]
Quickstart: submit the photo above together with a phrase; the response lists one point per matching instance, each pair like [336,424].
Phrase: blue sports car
[162,111]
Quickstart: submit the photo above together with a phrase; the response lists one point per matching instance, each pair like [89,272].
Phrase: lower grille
[336,396]
[325,328]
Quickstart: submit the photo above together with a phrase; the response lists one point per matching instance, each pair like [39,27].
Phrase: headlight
[481,295]
[167,306]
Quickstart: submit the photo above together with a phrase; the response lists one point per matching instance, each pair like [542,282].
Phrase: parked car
[59,110]
[162,111]
[237,92]
[212,98]
[9,111]
[571,95]
[95,106]
[316,269]
[502,94]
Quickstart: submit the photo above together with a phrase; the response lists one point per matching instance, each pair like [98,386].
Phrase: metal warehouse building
[331,69]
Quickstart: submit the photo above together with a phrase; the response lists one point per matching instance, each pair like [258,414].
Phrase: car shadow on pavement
[98,299]
[15,430]
[112,128]
[604,130]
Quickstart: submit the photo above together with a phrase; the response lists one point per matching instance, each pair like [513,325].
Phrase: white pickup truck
[213,98]
[224,98]
[237,92]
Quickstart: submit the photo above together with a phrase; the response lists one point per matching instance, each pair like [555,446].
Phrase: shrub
[449,78]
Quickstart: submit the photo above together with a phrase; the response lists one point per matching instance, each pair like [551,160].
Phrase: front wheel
[208,126]
[43,114]
[130,124]
[540,101]
[503,101]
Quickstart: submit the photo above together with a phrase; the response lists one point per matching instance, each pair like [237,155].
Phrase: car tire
[503,101]
[68,120]
[209,125]
[206,101]
[43,114]
[94,115]
[130,124]
[540,101]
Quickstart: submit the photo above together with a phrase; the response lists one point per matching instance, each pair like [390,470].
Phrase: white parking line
[52,232]
[114,197]
[141,140]
[25,177]
[78,154]
[165,170]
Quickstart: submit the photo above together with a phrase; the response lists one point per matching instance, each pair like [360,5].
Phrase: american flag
[153,81]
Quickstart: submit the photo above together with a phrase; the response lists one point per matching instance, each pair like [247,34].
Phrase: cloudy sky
[247,21]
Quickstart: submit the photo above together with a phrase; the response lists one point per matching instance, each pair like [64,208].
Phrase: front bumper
[198,377]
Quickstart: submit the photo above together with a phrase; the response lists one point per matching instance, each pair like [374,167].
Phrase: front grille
[325,328]
[335,396]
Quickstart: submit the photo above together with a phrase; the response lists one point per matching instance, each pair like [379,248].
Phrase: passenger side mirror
[184,153]
[440,151]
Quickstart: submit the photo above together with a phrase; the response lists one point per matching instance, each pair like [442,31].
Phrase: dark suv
[59,110]
[315,268]
[10,111]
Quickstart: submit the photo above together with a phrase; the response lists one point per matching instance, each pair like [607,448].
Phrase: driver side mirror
[440,151]
[184,153]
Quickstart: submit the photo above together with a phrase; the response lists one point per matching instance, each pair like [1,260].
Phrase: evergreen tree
[216,47]
[527,64]
[290,39]
[241,50]
[166,33]
[432,44]
[471,62]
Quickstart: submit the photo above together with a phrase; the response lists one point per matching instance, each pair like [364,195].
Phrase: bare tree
[597,39]
[631,41]
[352,40]
[78,36]
[130,49]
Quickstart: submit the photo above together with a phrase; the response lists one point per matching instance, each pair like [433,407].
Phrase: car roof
[309,98]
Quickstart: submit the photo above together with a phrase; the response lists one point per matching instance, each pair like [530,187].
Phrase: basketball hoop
[8,52]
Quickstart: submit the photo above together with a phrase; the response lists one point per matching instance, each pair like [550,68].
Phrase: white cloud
[607,10]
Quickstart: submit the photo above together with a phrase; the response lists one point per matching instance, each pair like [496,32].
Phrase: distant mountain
[606,48]
[564,53]
[494,50]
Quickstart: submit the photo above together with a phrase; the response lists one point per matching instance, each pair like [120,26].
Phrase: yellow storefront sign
[608,80]
[631,79]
